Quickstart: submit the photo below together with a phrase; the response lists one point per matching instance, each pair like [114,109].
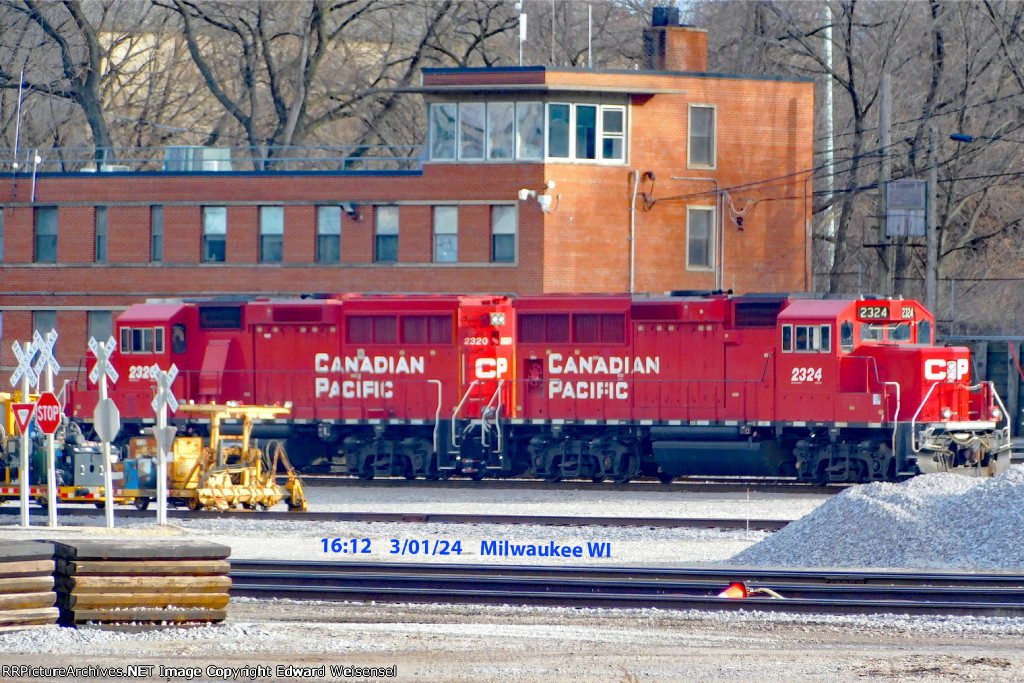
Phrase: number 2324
[806,375]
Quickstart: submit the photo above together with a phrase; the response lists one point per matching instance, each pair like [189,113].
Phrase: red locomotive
[578,386]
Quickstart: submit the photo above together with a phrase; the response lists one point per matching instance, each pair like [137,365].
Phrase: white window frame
[505,221]
[712,238]
[443,226]
[463,106]
[690,163]
[270,227]
[431,131]
[601,134]
[570,132]
[543,129]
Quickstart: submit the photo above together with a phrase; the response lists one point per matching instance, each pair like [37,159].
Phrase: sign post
[164,399]
[106,420]
[49,363]
[29,378]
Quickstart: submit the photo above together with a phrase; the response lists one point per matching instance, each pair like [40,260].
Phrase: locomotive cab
[148,335]
[900,406]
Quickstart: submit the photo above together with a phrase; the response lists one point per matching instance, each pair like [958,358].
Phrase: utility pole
[931,267]
[884,175]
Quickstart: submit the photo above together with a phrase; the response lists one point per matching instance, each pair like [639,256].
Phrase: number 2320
[806,375]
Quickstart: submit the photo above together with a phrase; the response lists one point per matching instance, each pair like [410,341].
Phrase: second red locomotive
[579,386]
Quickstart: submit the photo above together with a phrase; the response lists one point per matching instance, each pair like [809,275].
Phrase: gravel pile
[937,521]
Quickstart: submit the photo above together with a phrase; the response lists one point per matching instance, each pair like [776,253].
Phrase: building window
[529,130]
[43,322]
[613,133]
[503,233]
[586,131]
[156,232]
[101,234]
[215,232]
[271,233]
[442,130]
[446,234]
[471,130]
[699,232]
[386,234]
[702,136]
[328,234]
[501,130]
[101,325]
[558,130]
[46,235]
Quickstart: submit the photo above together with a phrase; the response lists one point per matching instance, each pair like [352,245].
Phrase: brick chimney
[671,47]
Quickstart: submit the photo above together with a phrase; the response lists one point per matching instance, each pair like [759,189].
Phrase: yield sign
[23,415]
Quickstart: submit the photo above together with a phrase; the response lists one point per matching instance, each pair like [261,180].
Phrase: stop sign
[48,413]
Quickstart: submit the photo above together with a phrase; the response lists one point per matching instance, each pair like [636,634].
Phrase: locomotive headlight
[997,414]
[951,371]
[946,413]
[497,319]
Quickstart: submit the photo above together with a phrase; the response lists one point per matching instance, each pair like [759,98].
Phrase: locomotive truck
[599,386]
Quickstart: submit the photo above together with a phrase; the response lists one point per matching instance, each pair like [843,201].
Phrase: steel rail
[803,591]
[694,484]
[428,518]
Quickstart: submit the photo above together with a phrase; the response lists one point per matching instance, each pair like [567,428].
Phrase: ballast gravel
[936,521]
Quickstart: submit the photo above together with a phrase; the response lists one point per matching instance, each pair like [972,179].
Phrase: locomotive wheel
[665,478]
[597,480]
[141,503]
[193,503]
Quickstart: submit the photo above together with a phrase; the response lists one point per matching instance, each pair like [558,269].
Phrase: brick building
[532,179]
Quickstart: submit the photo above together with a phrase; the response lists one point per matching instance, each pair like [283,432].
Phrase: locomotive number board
[877,311]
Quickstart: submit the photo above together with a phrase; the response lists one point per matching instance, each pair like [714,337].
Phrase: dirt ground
[461,643]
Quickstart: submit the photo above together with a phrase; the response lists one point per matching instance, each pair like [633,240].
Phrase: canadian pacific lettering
[563,387]
[360,387]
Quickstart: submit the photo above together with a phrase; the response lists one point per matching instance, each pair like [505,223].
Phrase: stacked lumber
[141,582]
[26,585]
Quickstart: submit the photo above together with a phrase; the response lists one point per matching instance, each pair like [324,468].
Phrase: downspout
[632,232]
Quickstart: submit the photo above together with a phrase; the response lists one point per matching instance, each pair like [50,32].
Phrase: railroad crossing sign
[103,365]
[24,365]
[164,380]
[23,415]
[45,348]
[48,412]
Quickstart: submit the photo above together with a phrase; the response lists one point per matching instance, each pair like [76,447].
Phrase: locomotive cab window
[806,338]
[924,332]
[142,340]
[869,332]
[898,332]
[846,336]
[178,338]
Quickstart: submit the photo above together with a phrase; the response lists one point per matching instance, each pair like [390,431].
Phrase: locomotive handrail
[437,415]
[497,417]
[896,415]
[458,409]
[971,388]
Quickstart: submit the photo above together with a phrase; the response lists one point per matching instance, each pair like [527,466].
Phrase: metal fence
[193,159]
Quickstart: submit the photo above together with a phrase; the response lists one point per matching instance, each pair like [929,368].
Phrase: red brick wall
[764,131]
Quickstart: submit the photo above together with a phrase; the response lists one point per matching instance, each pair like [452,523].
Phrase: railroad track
[803,591]
[39,514]
[688,484]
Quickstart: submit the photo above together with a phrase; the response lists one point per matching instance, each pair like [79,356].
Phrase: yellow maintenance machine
[228,470]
